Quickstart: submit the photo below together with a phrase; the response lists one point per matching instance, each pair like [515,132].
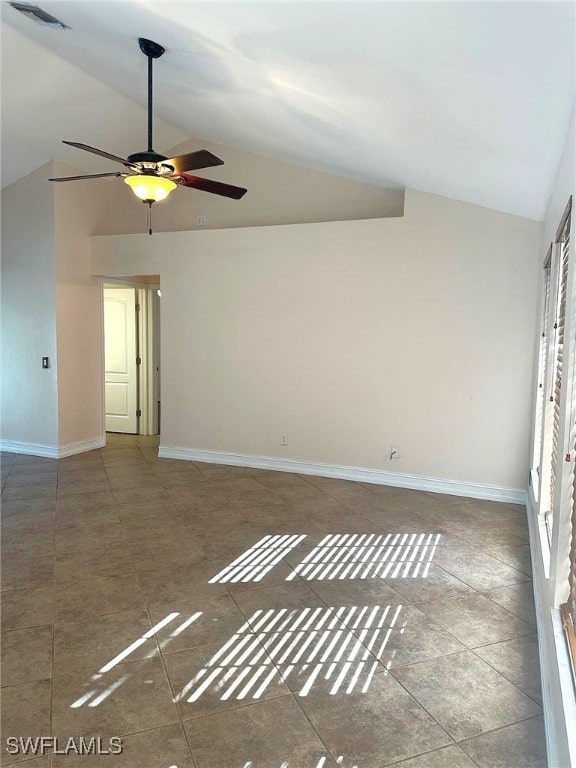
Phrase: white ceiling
[470,100]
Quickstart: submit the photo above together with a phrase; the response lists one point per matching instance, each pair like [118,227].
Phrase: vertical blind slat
[558,364]
[541,397]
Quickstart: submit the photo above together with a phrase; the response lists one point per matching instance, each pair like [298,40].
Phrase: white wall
[78,209]
[278,193]
[563,188]
[350,336]
[29,393]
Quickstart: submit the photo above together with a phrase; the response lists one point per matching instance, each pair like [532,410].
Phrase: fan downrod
[152,51]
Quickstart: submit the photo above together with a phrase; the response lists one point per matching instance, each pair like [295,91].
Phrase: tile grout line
[159,649]
[503,674]
[523,719]
[289,690]
[500,728]
[53,648]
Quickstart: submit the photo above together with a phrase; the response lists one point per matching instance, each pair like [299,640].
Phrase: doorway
[131,312]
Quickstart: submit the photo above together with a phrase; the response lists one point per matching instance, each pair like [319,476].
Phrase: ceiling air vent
[39,16]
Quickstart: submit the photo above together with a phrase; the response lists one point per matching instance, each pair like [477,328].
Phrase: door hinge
[138,412]
[137,307]
[138,361]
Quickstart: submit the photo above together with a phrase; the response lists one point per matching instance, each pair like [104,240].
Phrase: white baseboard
[52,451]
[71,449]
[359,474]
[30,449]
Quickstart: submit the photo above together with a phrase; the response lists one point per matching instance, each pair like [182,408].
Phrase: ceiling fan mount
[146,157]
[150,175]
[150,48]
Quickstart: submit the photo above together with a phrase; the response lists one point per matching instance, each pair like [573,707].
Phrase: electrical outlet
[394,452]
[201,220]
[283,439]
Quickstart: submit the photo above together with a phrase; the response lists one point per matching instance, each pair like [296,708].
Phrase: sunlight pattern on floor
[343,646]
[257,561]
[100,685]
[368,556]
[286,764]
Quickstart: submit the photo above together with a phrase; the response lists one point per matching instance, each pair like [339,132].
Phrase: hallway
[222,617]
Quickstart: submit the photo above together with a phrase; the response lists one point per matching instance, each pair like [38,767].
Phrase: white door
[120,378]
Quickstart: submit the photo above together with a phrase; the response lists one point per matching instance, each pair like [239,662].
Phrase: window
[555,423]
[562,247]
[566,548]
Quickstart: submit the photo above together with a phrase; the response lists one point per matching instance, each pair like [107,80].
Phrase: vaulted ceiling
[470,100]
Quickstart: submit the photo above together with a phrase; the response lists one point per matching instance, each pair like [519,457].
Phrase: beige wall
[50,307]
[78,208]
[278,193]
[350,336]
[29,393]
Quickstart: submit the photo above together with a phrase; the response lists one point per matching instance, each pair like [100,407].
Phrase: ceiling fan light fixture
[150,189]
[152,176]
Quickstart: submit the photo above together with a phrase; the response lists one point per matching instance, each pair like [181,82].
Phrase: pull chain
[149,216]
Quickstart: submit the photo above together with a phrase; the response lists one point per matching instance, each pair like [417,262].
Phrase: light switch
[45,362]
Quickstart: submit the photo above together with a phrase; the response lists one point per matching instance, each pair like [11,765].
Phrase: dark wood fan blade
[100,152]
[90,176]
[193,161]
[208,185]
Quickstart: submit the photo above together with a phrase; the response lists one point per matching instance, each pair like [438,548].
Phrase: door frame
[147,422]
[127,298]
[147,346]
[152,314]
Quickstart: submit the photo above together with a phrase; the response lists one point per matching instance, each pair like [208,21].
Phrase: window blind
[558,362]
[569,608]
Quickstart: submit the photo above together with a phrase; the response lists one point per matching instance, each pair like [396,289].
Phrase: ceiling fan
[152,176]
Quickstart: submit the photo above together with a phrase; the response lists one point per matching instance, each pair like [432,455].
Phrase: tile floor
[220,617]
